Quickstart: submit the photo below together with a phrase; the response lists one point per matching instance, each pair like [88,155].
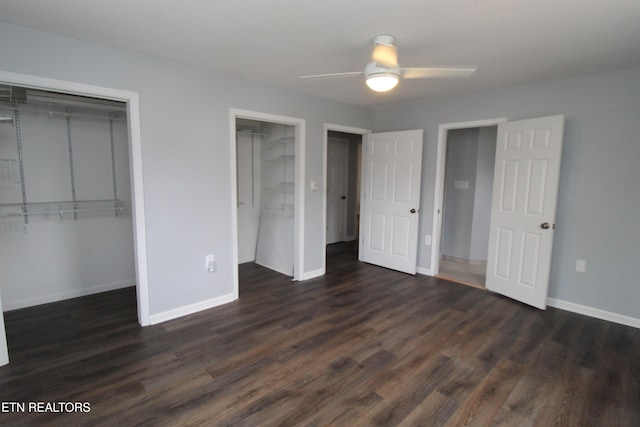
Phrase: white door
[523,209]
[392,164]
[337,153]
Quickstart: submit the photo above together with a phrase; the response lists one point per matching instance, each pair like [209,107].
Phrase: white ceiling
[511,42]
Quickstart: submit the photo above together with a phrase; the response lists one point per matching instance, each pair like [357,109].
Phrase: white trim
[424,271]
[298,241]
[594,312]
[135,164]
[325,143]
[191,309]
[350,238]
[438,193]
[61,296]
[313,274]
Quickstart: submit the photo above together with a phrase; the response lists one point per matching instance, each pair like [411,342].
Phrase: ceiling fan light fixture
[382,82]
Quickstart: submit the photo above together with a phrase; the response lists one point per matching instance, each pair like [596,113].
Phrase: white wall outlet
[210,263]
[427,240]
[581,265]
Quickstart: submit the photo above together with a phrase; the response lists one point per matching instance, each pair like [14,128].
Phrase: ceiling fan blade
[385,55]
[347,74]
[435,72]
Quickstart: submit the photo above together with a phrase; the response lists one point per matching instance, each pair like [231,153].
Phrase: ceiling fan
[383,73]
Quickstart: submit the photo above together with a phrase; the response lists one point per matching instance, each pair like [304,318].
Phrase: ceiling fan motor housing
[373,68]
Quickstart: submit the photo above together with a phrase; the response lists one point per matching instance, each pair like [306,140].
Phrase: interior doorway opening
[466,214]
[343,186]
[267,154]
[464,187]
[266,184]
[342,189]
[65,139]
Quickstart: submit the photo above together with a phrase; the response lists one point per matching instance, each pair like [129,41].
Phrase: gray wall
[484,190]
[185,147]
[461,163]
[599,195]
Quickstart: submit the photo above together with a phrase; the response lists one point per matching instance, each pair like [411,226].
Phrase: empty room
[320,213]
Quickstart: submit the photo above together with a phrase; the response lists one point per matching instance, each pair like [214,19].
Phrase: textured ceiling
[511,42]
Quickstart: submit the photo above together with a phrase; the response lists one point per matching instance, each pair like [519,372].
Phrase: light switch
[581,266]
[461,185]
[314,185]
[427,240]
[210,263]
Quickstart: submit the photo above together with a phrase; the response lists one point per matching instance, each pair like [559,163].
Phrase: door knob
[544,225]
[412,211]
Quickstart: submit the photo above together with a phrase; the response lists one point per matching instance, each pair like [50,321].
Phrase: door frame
[135,164]
[299,210]
[325,139]
[438,193]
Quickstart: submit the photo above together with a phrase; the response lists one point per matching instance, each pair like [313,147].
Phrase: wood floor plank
[361,345]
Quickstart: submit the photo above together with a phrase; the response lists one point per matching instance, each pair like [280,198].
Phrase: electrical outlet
[581,265]
[427,240]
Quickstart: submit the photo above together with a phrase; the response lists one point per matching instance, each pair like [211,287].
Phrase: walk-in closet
[266,194]
[65,197]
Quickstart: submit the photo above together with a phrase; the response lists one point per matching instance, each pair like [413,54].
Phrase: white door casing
[337,158]
[392,166]
[527,170]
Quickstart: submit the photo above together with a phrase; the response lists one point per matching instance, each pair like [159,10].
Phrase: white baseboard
[60,296]
[190,309]
[425,271]
[350,238]
[313,274]
[247,259]
[594,312]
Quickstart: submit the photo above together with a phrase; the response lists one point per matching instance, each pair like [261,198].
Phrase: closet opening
[466,207]
[268,154]
[66,226]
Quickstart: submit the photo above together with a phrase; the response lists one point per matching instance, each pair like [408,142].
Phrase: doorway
[343,186]
[466,214]
[268,205]
[133,146]
[341,195]
[464,184]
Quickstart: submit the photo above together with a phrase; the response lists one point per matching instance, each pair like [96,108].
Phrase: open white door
[337,157]
[392,164]
[523,209]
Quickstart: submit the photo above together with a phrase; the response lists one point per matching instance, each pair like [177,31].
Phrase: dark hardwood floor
[361,345]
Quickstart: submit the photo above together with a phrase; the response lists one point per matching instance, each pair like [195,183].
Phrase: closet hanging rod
[61,212]
[98,115]
[11,215]
[250,132]
[59,202]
